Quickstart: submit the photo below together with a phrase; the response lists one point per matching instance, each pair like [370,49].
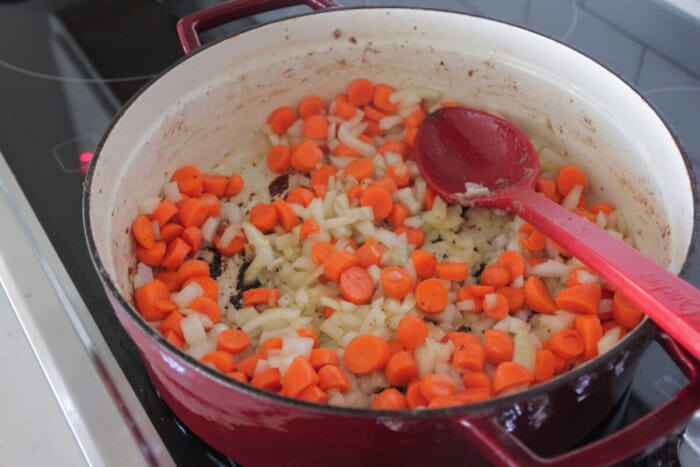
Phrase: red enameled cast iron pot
[212,103]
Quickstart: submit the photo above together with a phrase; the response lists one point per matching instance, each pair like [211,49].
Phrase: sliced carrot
[321,175]
[332,377]
[515,297]
[379,200]
[534,241]
[389,399]
[498,345]
[260,296]
[189,180]
[169,278]
[431,296]
[545,365]
[233,341]
[356,285]
[146,297]
[248,364]
[568,177]
[410,138]
[510,375]
[360,91]
[322,357]
[368,254]
[414,235]
[460,338]
[214,184]
[169,231]
[270,345]
[343,150]
[306,156]
[223,361]
[269,379]
[414,395]
[397,283]
[399,213]
[424,263]
[590,329]
[308,227]
[193,212]
[164,212]
[264,217]
[568,344]
[190,269]
[301,196]
[429,198]
[605,208]
[400,173]
[316,127]
[321,251]
[401,368]
[583,298]
[381,98]
[414,119]
[548,188]
[238,376]
[299,376]
[166,306]
[497,276]
[366,353]
[395,346]
[235,246]
[537,296]
[385,183]
[175,253]
[452,270]
[436,384]
[337,263]
[397,147]
[193,237]
[172,323]
[360,169]
[279,158]
[469,356]
[281,119]
[313,393]
[411,331]
[234,185]
[287,217]
[500,307]
[372,113]
[625,312]
[206,306]
[144,234]
[174,339]
[343,108]
[478,379]
[310,105]
[151,256]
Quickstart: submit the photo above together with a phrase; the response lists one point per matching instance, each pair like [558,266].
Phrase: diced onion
[188,293]
[148,205]
[192,329]
[209,229]
[172,192]
[572,199]
[144,275]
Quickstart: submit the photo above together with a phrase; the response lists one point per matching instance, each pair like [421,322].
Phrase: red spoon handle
[667,299]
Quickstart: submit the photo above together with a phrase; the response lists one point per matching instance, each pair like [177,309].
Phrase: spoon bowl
[475,158]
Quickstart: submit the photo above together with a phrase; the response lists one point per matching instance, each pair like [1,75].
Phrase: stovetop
[66,67]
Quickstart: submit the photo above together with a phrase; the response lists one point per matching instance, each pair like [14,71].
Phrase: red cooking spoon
[457,145]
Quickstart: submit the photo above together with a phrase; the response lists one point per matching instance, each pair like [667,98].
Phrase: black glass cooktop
[66,67]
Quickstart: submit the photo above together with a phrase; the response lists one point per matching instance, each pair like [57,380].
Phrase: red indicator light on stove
[85,159]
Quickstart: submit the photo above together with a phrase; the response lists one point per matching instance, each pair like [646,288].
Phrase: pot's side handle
[502,448]
[189,27]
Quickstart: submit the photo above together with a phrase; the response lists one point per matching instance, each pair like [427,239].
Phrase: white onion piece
[390,122]
[188,293]
[296,345]
[609,339]
[148,205]
[346,136]
[572,199]
[193,329]
[586,277]
[172,192]
[209,229]
[605,305]
[490,300]
[271,314]
[230,232]
[551,268]
[233,213]
[392,157]
[524,349]
[144,275]
[466,305]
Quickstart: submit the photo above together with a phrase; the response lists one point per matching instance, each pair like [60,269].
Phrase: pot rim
[640,332]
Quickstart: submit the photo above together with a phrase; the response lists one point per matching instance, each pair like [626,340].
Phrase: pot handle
[189,27]
[502,448]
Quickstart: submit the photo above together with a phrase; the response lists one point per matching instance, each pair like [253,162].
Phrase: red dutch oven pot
[188,116]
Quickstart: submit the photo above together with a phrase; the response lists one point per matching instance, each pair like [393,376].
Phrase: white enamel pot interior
[210,108]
